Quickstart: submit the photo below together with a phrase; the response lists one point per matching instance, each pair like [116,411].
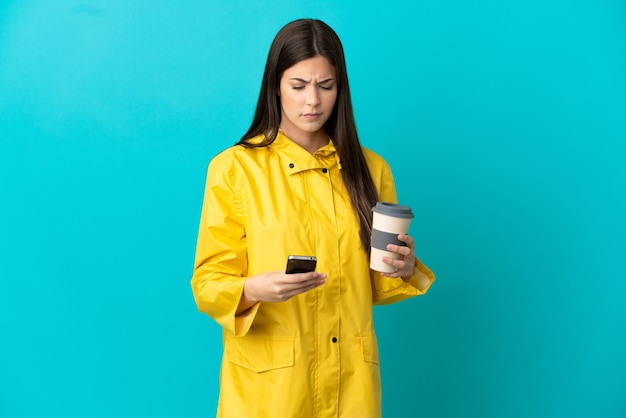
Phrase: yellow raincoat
[316,354]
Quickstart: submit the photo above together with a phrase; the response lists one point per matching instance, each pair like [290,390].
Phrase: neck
[310,141]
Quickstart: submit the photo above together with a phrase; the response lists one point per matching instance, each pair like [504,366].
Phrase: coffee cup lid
[393,209]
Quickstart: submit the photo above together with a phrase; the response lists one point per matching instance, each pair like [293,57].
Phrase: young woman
[299,183]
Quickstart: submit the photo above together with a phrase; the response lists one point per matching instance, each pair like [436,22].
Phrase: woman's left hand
[406,263]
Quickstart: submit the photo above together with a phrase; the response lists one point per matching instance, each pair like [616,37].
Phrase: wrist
[247,299]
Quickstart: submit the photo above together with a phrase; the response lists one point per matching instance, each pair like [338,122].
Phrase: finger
[401,272]
[400,249]
[305,280]
[404,266]
[397,263]
[407,239]
[309,286]
[393,275]
[299,278]
[312,282]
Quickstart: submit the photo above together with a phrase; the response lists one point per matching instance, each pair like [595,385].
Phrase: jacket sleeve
[387,290]
[221,265]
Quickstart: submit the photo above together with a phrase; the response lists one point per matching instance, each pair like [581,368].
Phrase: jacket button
[324,170]
[334,339]
[291,165]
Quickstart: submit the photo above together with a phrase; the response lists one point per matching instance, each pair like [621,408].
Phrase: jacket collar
[296,159]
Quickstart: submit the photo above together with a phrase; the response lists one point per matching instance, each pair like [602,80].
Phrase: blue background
[504,123]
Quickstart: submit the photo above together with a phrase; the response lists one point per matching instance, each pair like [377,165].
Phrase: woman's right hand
[277,286]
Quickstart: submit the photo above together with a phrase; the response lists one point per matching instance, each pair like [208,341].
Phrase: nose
[312,96]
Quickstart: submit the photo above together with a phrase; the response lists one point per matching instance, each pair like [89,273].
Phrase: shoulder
[223,161]
[381,176]
[235,155]
[375,162]
[227,164]
[227,155]
[240,161]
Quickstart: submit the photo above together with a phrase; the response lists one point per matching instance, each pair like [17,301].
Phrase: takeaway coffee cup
[389,220]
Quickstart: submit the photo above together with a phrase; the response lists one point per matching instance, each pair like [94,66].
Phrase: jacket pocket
[369,347]
[260,354]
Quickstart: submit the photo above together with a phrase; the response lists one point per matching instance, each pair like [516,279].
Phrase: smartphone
[300,264]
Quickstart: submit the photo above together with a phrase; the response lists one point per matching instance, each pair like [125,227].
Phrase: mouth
[311,116]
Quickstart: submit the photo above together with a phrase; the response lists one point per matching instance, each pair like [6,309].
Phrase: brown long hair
[297,41]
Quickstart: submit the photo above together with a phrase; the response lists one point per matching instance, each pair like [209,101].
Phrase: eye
[297,87]
[326,87]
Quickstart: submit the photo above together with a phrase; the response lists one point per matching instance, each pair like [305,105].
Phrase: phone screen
[300,264]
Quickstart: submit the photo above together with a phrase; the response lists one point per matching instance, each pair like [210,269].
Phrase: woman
[298,182]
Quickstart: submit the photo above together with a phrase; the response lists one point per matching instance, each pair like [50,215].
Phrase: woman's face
[308,92]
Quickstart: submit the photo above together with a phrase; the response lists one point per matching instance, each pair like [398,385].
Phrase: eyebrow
[301,80]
